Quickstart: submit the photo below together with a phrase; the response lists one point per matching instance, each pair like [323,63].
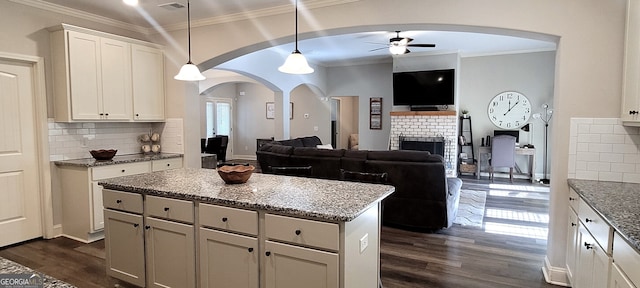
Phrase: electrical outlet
[315,128]
[364,242]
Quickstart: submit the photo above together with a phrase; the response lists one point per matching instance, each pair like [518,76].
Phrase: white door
[20,214]
[219,120]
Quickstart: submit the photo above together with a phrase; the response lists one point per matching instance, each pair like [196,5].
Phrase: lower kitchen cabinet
[124,243]
[228,260]
[593,262]
[572,245]
[618,279]
[170,248]
[288,266]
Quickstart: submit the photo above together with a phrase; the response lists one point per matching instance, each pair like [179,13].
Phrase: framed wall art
[375,113]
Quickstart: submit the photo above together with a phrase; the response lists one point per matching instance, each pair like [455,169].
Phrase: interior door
[20,213]
[219,120]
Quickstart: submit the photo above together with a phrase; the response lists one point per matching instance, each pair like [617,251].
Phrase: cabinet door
[85,76]
[170,251]
[572,244]
[593,264]
[618,279]
[228,260]
[148,83]
[124,246]
[290,266]
[116,79]
[96,208]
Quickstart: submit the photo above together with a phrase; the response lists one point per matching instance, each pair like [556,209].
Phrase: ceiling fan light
[131,2]
[189,72]
[397,49]
[296,63]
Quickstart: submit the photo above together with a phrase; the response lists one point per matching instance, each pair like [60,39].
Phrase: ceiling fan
[398,45]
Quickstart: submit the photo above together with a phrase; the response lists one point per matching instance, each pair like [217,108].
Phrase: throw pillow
[324,146]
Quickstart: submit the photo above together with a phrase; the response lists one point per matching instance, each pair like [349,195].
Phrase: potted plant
[465,113]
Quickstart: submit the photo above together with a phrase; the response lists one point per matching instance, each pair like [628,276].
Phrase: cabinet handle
[588,246]
[137,114]
[224,219]
[250,249]
[168,164]
[166,209]
[298,232]
[123,170]
[572,199]
[136,225]
[118,201]
[573,224]
[101,114]
[107,114]
[267,253]
[588,220]
[147,227]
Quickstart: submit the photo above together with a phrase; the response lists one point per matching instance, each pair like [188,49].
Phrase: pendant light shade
[189,71]
[296,63]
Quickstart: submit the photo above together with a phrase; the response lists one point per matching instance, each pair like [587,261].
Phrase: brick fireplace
[427,127]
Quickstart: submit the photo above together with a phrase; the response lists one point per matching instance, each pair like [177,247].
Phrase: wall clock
[509,110]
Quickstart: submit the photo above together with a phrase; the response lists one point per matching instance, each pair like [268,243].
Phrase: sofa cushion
[310,141]
[276,148]
[377,178]
[315,152]
[404,156]
[296,142]
[353,160]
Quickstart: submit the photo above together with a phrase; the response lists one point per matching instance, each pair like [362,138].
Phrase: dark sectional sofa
[424,200]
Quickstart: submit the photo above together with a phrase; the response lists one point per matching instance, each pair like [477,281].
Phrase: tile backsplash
[74,140]
[602,149]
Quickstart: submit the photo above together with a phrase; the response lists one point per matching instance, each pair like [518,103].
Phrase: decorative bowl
[103,154]
[235,174]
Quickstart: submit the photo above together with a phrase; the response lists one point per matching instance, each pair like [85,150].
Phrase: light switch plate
[364,242]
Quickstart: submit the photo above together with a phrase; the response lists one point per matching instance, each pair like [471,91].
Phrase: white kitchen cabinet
[124,243]
[82,204]
[170,249]
[148,83]
[631,88]
[289,266]
[593,262]
[626,261]
[572,245]
[228,260]
[618,279]
[95,77]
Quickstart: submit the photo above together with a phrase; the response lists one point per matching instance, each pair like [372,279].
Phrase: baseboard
[244,157]
[57,231]
[555,275]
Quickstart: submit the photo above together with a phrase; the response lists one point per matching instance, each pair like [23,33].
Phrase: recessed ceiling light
[131,2]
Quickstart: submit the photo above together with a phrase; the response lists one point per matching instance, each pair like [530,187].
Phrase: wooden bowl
[235,174]
[103,154]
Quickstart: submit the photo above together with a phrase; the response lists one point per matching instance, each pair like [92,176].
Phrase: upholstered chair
[503,154]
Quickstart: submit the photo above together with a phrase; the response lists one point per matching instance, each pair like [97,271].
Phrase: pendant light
[296,63]
[189,71]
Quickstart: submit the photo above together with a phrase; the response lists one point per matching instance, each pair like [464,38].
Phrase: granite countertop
[618,203]
[118,159]
[9,268]
[297,196]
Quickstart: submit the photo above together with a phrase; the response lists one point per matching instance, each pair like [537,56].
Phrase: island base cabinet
[618,279]
[593,263]
[170,251]
[228,260]
[124,245]
[288,266]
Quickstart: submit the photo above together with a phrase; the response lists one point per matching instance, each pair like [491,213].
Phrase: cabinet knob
[136,225]
[298,232]
[137,114]
[588,220]
[267,253]
[166,209]
[168,164]
[118,201]
[103,113]
[573,224]
[147,227]
[224,219]
[250,249]
[123,170]
[572,199]
[107,114]
[588,246]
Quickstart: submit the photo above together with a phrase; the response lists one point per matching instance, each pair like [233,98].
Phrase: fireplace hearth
[435,145]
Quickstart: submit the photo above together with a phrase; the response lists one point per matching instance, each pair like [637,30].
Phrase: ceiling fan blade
[378,49]
[422,45]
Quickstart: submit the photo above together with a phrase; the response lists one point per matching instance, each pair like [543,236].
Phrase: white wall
[318,109]
[250,119]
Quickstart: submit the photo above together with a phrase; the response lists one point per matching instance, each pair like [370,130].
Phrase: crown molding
[81,14]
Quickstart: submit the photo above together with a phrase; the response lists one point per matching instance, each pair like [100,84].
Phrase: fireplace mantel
[423,113]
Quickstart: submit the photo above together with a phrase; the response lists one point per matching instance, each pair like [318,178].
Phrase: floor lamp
[546,118]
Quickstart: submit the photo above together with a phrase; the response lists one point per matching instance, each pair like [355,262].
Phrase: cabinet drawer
[227,218]
[173,209]
[166,164]
[302,231]
[124,201]
[600,230]
[120,170]
[627,259]
[574,200]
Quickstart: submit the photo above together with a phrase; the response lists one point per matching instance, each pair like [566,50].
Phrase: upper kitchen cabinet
[631,87]
[148,83]
[105,77]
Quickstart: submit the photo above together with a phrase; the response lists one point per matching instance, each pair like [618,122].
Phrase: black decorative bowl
[103,154]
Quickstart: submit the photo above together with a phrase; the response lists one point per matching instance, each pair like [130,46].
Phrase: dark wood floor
[455,257]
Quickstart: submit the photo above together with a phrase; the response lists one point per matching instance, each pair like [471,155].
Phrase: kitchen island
[273,231]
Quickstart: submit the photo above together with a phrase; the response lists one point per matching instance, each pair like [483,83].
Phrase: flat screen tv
[424,88]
